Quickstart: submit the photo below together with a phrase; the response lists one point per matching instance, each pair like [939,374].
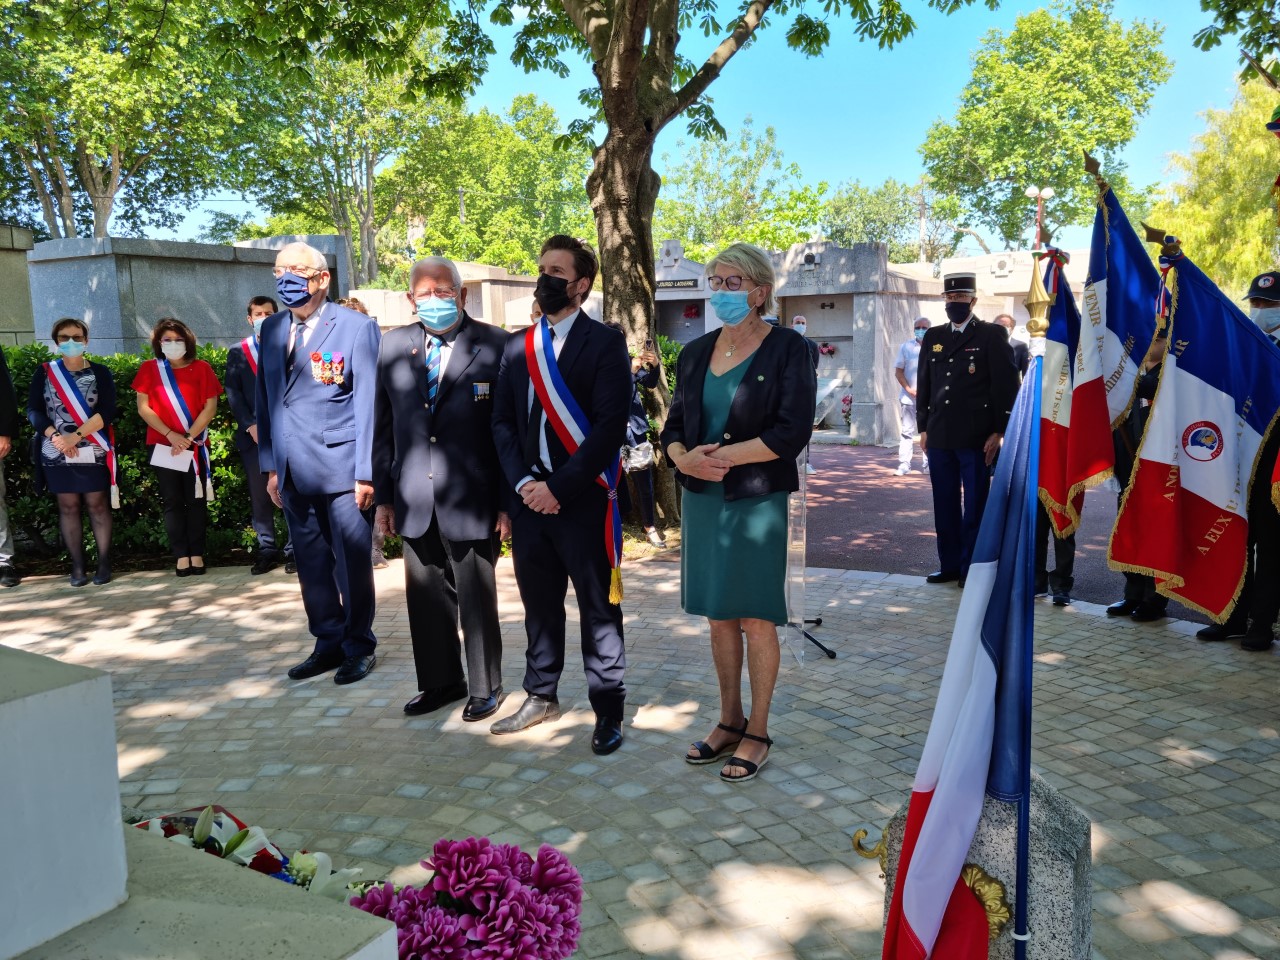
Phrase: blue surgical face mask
[730,306]
[71,348]
[257,327]
[292,289]
[920,332]
[437,315]
[1267,318]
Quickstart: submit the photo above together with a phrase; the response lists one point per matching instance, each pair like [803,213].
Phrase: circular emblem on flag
[1202,441]
[1265,282]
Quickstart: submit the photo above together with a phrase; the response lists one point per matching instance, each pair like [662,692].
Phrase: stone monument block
[60,800]
[1060,893]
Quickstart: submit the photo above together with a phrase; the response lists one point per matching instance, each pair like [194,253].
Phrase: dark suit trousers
[549,552]
[335,569]
[1260,596]
[185,514]
[952,472]
[262,509]
[1061,579]
[444,580]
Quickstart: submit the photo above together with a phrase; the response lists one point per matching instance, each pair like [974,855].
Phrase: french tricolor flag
[1119,322]
[1057,400]
[1183,518]
[978,741]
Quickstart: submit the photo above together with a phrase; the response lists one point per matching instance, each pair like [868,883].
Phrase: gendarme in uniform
[967,381]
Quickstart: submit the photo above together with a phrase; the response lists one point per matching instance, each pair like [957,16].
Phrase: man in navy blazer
[317,366]
[437,484]
[241,385]
[559,511]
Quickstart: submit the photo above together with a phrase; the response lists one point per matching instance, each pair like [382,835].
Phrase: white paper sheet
[164,456]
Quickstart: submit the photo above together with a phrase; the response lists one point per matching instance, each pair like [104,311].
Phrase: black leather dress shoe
[355,668]
[290,566]
[942,576]
[607,736]
[532,712]
[434,699]
[1122,609]
[1233,629]
[478,708]
[1147,612]
[266,563]
[313,666]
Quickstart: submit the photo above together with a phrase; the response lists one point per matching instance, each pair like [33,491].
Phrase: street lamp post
[1039,195]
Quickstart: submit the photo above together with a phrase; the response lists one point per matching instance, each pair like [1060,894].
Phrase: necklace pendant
[732,347]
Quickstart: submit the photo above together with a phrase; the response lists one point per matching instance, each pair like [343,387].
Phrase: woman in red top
[177,399]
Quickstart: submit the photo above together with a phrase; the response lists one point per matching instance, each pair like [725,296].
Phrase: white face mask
[799,328]
[1267,318]
[174,351]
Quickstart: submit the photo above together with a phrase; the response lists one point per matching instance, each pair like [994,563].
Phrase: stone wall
[16,324]
[121,287]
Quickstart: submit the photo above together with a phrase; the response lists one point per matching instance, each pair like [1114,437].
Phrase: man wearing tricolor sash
[559,421]
[242,396]
[317,367]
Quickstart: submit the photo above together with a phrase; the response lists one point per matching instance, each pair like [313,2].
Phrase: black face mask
[552,293]
[958,313]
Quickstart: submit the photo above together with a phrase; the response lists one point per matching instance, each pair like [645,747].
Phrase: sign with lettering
[690,284]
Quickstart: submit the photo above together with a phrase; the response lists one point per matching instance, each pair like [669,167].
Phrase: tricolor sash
[171,401]
[68,391]
[250,347]
[571,426]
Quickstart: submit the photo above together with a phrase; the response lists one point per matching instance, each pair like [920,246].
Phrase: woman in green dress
[741,414]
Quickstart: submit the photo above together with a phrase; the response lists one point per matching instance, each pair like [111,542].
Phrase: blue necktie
[433,370]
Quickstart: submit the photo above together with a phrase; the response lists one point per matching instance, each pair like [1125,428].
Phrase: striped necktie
[433,370]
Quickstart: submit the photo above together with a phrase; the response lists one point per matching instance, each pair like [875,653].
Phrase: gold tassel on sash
[615,586]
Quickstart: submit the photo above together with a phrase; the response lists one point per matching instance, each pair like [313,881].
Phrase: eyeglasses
[957,297]
[77,337]
[307,273]
[443,293]
[728,283]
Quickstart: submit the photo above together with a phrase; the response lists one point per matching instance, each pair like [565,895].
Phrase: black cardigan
[775,402]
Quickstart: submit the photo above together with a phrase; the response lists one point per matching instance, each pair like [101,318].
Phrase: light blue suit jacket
[319,435]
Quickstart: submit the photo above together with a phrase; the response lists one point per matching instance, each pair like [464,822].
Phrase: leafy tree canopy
[721,191]
[1222,208]
[483,187]
[1064,79]
[115,111]
[891,214]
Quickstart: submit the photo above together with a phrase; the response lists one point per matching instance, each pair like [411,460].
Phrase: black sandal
[708,754]
[751,768]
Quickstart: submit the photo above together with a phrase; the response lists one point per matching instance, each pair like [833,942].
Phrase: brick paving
[1170,746]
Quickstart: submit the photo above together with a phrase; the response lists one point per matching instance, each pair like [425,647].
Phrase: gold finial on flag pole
[1094,169]
[1038,302]
[1169,245]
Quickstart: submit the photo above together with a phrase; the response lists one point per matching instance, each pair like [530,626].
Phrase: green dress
[733,553]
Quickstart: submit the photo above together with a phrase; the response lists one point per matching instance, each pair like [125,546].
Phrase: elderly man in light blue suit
[316,386]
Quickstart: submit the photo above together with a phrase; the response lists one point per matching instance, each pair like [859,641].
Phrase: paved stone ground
[1169,745]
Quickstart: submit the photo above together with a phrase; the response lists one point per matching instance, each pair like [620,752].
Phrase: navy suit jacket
[241,385]
[319,435]
[597,370]
[440,462]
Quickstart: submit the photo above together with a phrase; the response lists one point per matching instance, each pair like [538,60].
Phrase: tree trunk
[623,188]
[42,193]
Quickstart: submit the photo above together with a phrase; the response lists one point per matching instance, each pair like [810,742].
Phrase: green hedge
[139,523]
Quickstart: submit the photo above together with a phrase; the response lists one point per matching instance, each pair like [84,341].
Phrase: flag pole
[1038,302]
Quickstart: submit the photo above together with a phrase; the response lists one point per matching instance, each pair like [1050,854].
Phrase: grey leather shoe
[532,712]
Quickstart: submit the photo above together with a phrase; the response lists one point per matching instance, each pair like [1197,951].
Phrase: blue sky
[859,112]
